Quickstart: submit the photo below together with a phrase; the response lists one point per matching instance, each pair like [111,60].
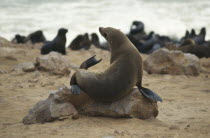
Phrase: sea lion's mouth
[65,31]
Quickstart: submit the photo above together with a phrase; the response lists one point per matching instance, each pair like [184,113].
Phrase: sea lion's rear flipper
[75,89]
[85,65]
[150,94]
[89,62]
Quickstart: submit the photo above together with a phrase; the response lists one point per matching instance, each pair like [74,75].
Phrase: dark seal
[57,44]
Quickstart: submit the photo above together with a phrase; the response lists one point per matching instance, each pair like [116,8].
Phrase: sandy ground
[184,112]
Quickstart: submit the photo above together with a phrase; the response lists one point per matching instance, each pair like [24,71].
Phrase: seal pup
[192,33]
[36,37]
[81,41]
[57,44]
[186,36]
[95,40]
[199,51]
[189,46]
[19,39]
[125,71]
[137,27]
[200,38]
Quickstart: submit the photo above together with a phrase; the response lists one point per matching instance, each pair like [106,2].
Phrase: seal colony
[145,43]
[125,71]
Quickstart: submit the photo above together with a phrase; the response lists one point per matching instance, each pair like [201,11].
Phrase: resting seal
[19,39]
[137,27]
[57,44]
[119,78]
[36,37]
[81,41]
[95,40]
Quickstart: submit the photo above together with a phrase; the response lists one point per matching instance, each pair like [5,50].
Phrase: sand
[184,112]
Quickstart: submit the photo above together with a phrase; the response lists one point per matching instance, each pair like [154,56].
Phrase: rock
[26,67]
[50,109]
[54,63]
[4,42]
[172,62]
[2,71]
[205,63]
[10,52]
[133,105]
[62,103]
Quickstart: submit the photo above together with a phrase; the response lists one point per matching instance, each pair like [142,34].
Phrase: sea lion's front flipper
[89,62]
[150,94]
[75,89]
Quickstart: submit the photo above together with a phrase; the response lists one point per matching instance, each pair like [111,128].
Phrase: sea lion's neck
[117,51]
[61,36]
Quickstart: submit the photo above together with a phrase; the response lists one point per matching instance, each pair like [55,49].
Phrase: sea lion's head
[94,36]
[17,37]
[192,34]
[187,34]
[114,36]
[38,33]
[203,31]
[62,31]
[86,36]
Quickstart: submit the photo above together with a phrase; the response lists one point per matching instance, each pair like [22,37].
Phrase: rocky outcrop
[26,67]
[4,42]
[133,105]
[205,62]
[56,106]
[53,63]
[62,103]
[10,51]
[172,62]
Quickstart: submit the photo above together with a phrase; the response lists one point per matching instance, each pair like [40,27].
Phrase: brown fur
[120,77]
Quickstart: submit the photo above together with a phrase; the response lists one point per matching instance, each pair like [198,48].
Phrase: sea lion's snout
[66,31]
[103,33]
[63,31]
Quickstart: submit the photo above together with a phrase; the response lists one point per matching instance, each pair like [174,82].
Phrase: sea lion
[192,33]
[81,41]
[189,46]
[57,44]
[95,40]
[19,39]
[188,42]
[36,37]
[199,51]
[75,44]
[119,78]
[147,46]
[186,36]
[149,36]
[200,38]
[137,27]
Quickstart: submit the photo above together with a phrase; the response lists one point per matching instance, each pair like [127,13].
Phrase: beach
[173,24]
[184,111]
